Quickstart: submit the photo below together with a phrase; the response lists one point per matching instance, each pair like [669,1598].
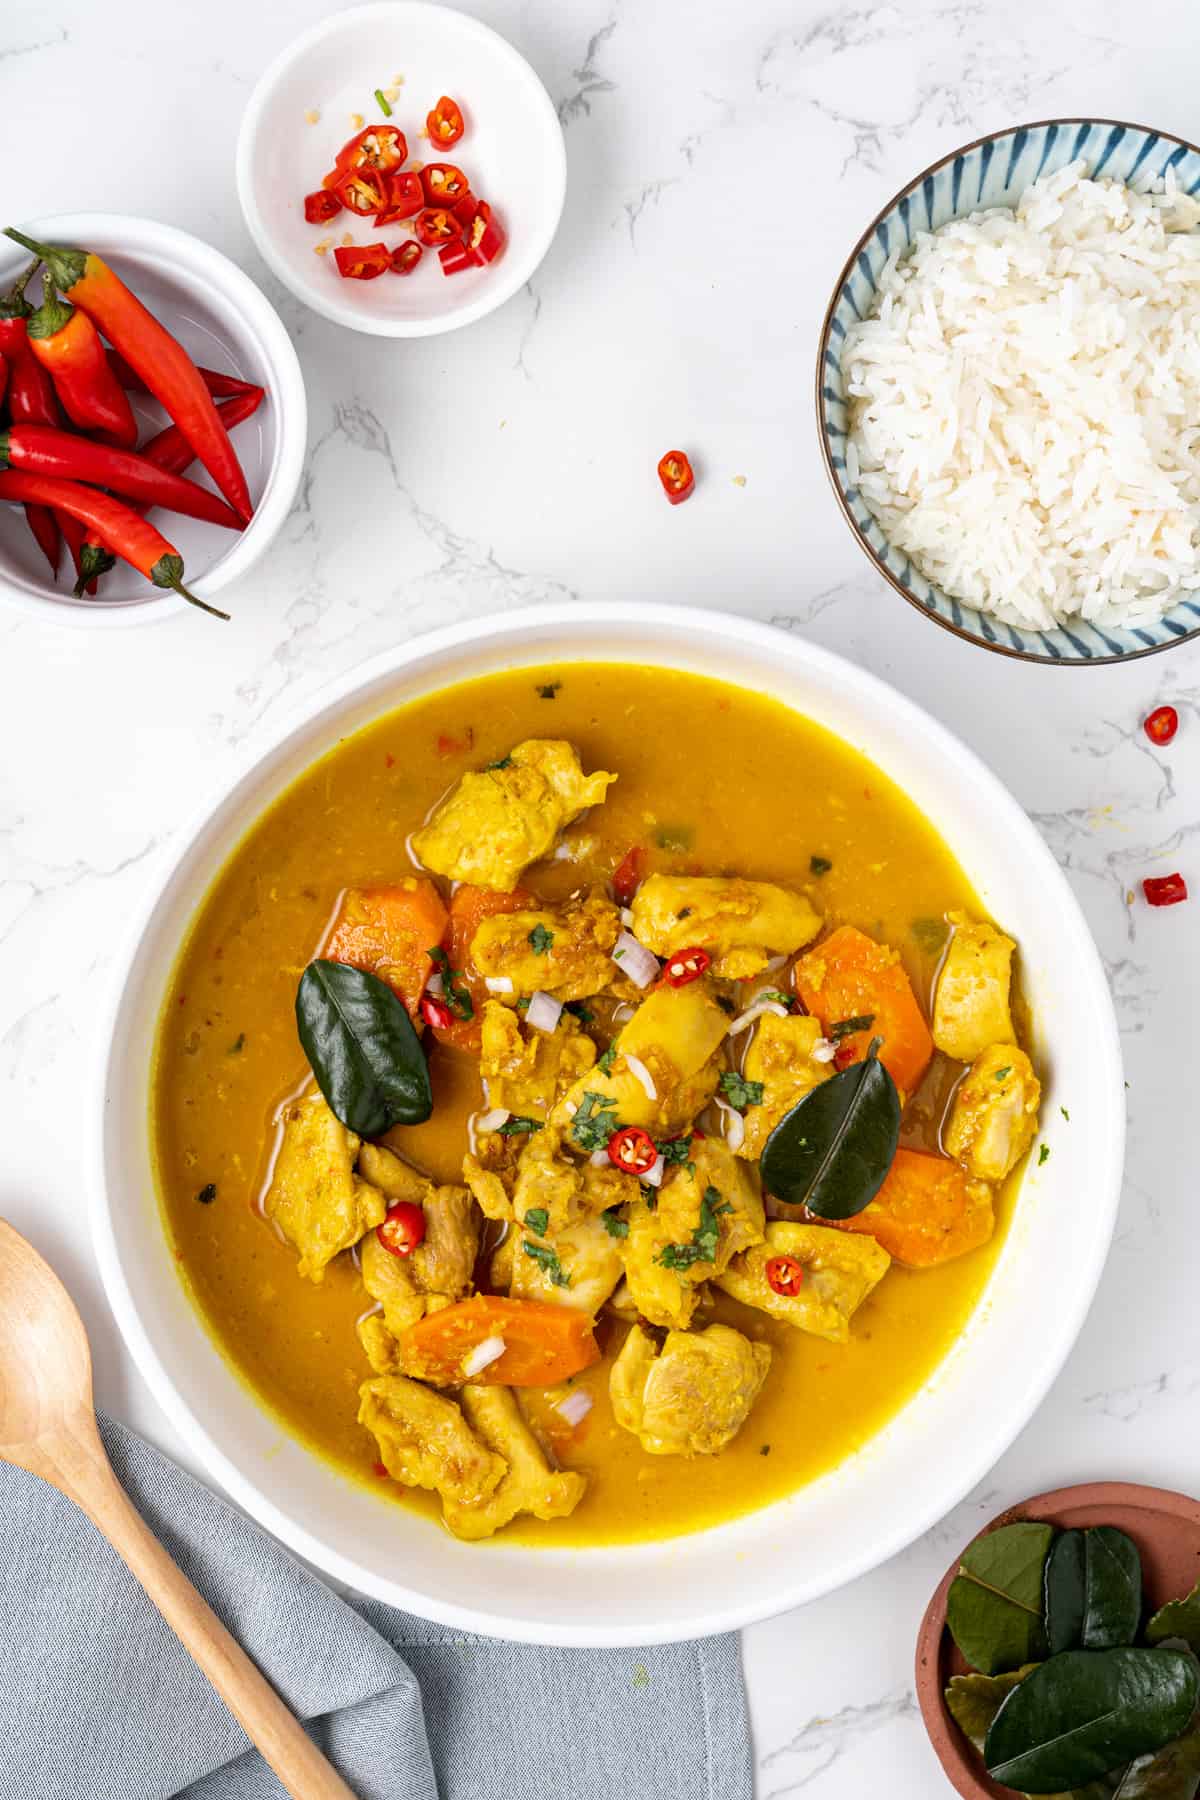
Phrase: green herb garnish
[605,1062]
[548,689]
[548,1262]
[540,940]
[518,1126]
[384,108]
[705,1238]
[843,1027]
[238,1044]
[583,1013]
[930,934]
[612,1222]
[595,1121]
[504,763]
[1043,1154]
[207,1194]
[1001,1073]
[673,1150]
[819,865]
[739,1092]
[456,995]
[537,1219]
[674,837]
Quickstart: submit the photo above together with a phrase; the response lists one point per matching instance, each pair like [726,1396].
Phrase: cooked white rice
[1025,403]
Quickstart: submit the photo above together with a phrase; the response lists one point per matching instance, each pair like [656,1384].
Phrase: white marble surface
[722,160]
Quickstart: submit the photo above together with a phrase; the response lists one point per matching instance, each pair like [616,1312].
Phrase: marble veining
[722,162]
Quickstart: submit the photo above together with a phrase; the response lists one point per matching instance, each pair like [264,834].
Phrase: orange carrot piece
[469,907]
[928,1211]
[389,931]
[850,976]
[543,1343]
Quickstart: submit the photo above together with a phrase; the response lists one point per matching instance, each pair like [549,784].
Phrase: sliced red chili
[443,183]
[844,1055]
[322,206]
[785,1275]
[1162,725]
[1165,890]
[454,258]
[445,123]
[436,1013]
[484,235]
[465,208]
[405,198]
[364,192]
[378,147]
[675,473]
[632,1150]
[686,966]
[628,877]
[403,1228]
[405,258]
[362,262]
[436,226]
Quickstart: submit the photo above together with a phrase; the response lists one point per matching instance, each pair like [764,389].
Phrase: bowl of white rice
[1008,391]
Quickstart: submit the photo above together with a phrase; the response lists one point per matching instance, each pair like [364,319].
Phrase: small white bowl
[513,153]
[225,323]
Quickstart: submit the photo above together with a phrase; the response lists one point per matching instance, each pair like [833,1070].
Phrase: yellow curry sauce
[730,782]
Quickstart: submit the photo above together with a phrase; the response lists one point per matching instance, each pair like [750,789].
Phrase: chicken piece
[562,950]
[489,1189]
[444,1263]
[578,1267]
[742,924]
[527,1070]
[391,1281]
[971,1008]
[549,1185]
[315,1198]
[529,1485]
[692,1397]
[839,1272]
[440,1270]
[781,1057]
[674,1035]
[425,1442]
[994,1117]
[495,822]
[395,1179]
[707,1211]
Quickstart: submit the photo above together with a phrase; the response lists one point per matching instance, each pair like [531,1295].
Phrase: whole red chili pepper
[161,361]
[68,346]
[133,538]
[30,397]
[170,450]
[214,381]
[44,450]
[3,376]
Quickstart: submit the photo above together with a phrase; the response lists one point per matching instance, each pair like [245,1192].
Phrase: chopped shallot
[599,1159]
[498,984]
[627,916]
[575,1406]
[638,1069]
[492,1121]
[753,1013]
[544,1012]
[823,1050]
[436,985]
[491,1349]
[633,959]
[735,1127]
[653,1176]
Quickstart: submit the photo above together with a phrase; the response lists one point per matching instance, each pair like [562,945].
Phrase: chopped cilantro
[606,1061]
[705,1238]
[1001,1073]
[1066,1115]
[641,1675]
[207,1194]
[612,1222]
[540,940]
[739,1092]
[456,995]
[673,1150]
[518,1126]
[504,763]
[238,1044]
[929,933]
[860,1022]
[819,865]
[595,1121]
[537,1219]
[1043,1154]
[649,1195]
[764,1450]
[775,994]
[384,108]
[583,1013]
[674,837]
[547,1261]
[548,689]
[726,1004]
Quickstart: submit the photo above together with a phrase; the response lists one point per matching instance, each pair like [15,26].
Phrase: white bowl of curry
[611,1126]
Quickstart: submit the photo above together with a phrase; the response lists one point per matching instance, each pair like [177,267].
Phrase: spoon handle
[267,1722]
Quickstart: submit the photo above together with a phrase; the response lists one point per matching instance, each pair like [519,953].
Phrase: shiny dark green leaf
[1172,1773]
[974,1700]
[833,1150]
[362,1048]
[994,1606]
[1063,1605]
[1112,1608]
[1088,1711]
[1177,1619]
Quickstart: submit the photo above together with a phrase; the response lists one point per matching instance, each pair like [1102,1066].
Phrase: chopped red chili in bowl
[362,262]
[405,198]
[443,183]
[445,123]
[675,473]
[1165,890]
[403,1228]
[785,1276]
[632,1150]
[686,966]
[378,147]
[435,225]
[1161,725]
[363,192]
[321,206]
[405,258]
[484,235]
[455,257]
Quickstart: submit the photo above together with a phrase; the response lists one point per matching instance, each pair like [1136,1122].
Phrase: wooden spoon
[48,1426]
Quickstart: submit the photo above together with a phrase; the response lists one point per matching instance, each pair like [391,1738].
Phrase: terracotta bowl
[1164,1526]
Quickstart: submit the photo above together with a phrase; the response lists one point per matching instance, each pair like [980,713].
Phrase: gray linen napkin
[99,1702]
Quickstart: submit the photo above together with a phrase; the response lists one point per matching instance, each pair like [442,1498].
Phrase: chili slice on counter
[405,258]
[1161,725]
[378,148]
[632,1150]
[785,1276]
[1165,890]
[445,123]
[436,226]
[403,1228]
[675,473]
[362,262]
[405,198]
[321,206]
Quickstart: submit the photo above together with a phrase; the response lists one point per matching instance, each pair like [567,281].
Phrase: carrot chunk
[850,977]
[928,1211]
[543,1343]
[389,931]
[469,907]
